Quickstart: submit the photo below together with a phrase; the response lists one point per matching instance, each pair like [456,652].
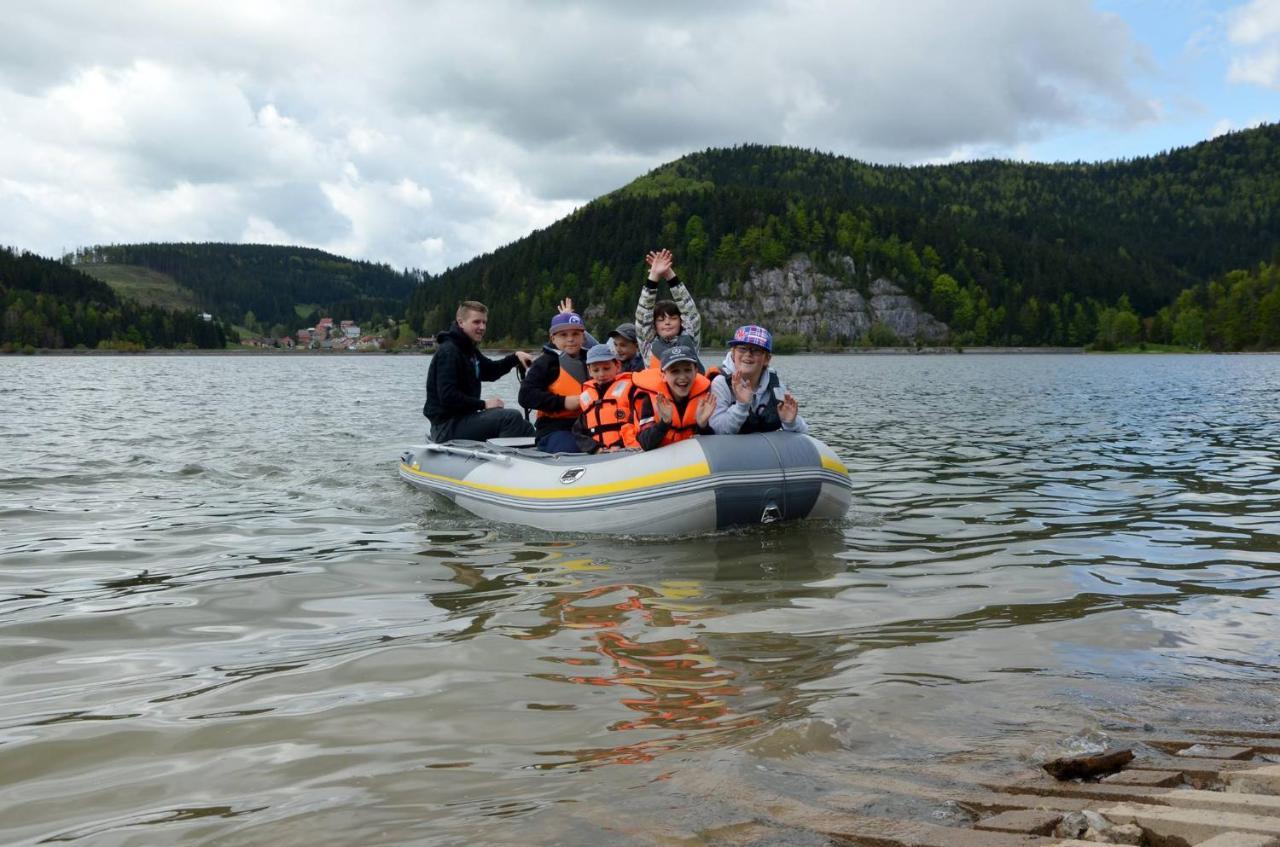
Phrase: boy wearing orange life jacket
[607,423]
[553,385]
[677,402]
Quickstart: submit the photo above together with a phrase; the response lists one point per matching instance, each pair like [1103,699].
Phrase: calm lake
[224,620]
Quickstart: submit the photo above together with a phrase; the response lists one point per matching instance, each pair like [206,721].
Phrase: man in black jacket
[453,402]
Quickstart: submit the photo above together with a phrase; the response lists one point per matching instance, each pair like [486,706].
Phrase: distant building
[304,336]
[350,330]
[206,317]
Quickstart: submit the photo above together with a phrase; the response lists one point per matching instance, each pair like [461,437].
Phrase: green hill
[151,288]
[46,304]
[264,283]
[1002,252]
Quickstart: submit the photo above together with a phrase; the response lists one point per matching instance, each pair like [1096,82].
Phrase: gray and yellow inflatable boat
[706,483]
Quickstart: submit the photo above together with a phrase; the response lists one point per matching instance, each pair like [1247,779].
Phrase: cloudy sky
[424,133]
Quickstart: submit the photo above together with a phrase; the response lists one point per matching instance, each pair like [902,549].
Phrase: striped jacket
[690,320]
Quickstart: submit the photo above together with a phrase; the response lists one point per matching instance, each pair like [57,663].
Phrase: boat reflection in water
[646,627]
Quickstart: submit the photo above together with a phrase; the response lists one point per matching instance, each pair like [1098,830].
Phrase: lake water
[224,620]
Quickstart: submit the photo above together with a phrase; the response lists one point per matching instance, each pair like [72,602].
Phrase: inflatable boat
[706,483]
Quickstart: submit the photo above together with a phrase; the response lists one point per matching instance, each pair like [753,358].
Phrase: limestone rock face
[797,299]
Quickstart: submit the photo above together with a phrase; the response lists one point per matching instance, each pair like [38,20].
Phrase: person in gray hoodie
[749,395]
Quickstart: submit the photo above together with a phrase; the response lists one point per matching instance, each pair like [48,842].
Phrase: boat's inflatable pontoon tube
[705,483]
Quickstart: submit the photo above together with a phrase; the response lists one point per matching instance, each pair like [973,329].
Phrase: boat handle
[468,452]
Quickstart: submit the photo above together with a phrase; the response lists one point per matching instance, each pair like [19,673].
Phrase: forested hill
[46,304]
[278,285]
[1003,252]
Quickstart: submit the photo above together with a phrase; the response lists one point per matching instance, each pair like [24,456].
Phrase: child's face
[567,341]
[668,326]
[749,360]
[603,372]
[625,347]
[679,378]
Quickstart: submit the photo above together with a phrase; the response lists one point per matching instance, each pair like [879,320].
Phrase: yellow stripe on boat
[687,472]
[833,464]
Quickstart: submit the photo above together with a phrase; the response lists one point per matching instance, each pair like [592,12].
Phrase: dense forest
[1003,252]
[269,282]
[44,303]
[1180,248]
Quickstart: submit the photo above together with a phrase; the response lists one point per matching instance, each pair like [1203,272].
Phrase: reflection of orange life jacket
[609,419]
[568,384]
[682,425]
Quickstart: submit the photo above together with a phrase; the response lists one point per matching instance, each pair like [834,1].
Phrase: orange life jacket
[610,419]
[682,425]
[573,373]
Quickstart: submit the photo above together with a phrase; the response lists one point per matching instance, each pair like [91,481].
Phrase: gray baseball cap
[627,331]
[678,354]
[601,353]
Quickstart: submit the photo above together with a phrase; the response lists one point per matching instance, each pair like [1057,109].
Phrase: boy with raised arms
[666,323]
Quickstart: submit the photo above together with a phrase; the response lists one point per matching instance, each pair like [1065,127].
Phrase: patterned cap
[752,334]
[565,320]
[677,354]
[601,353]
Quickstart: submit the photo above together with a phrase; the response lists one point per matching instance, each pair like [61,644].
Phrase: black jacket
[457,369]
[535,393]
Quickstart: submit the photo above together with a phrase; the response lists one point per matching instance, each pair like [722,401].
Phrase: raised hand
[566,305]
[788,408]
[660,262]
[706,406]
[666,411]
[741,386]
[525,359]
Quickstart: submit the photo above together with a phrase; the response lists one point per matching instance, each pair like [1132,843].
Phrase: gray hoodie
[730,415]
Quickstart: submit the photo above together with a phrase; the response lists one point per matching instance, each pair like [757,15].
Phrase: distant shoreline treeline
[44,304]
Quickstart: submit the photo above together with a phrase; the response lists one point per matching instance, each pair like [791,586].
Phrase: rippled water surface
[225,621]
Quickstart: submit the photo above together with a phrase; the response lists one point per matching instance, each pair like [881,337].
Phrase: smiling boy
[553,385]
[677,402]
[749,395]
[607,423]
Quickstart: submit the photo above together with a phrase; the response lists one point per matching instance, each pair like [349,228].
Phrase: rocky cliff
[797,299]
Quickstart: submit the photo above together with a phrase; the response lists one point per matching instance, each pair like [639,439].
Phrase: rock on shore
[798,299]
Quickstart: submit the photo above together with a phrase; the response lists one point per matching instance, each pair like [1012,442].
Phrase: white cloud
[1254,30]
[424,133]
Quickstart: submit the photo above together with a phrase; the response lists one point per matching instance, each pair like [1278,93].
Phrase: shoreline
[498,351]
[839,351]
